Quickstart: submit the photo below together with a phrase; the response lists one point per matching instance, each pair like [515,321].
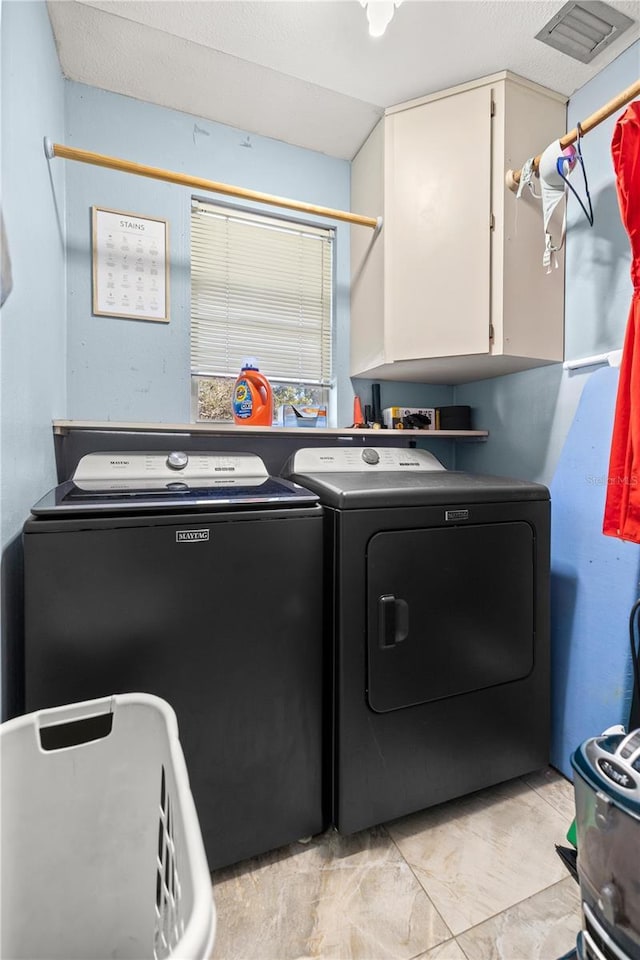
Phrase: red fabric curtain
[622,507]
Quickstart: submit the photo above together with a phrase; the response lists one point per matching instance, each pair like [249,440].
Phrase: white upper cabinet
[453,288]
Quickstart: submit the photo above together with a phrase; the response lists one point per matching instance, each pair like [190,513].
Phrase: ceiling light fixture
[379,14]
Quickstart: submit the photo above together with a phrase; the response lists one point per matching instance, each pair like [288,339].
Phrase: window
[261,287]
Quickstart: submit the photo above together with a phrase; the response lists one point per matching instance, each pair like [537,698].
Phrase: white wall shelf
[63,427]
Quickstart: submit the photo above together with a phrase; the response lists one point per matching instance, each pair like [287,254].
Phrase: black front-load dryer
[439,614]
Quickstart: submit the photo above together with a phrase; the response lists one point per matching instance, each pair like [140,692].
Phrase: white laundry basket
[102,855]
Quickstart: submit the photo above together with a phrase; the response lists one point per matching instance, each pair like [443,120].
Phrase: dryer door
[450,610]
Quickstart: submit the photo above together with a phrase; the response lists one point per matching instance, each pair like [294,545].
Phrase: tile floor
[474,879]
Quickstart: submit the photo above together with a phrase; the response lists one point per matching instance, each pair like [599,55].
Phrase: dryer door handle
[393,620]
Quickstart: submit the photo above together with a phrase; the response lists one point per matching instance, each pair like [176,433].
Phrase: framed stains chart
[130,268]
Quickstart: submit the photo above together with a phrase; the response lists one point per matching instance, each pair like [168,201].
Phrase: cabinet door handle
[393,620]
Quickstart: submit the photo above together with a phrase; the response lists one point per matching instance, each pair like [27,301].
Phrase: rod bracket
[48,148]
[511,181]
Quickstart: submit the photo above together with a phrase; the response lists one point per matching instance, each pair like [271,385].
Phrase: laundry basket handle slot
[59,736]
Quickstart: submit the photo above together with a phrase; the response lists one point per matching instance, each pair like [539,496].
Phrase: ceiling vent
[582,30]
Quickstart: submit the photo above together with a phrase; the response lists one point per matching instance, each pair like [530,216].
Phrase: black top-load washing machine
[197,578]
[439,618]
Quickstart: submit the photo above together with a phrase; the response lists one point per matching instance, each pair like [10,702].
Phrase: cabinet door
[437,244]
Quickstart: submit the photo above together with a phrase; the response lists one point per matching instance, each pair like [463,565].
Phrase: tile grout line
[454,936]
[516,904]
[437,945]
[542,796]
[460,948]
[413,874]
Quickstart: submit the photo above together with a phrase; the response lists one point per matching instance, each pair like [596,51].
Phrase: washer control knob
[177,460]
[369,455]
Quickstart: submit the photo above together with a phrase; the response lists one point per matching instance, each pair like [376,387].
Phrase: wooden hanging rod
[199,183]
[513,177]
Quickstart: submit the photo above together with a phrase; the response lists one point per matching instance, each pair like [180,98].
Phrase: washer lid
[169,481]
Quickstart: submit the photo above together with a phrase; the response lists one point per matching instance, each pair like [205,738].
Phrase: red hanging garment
[622,507]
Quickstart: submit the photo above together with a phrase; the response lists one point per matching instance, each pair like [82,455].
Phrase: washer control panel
[312,460]
[133,468]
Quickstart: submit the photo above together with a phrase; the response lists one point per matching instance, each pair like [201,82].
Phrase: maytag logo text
[191,536]
[456,514]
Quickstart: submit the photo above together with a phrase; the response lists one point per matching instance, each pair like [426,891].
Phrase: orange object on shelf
[252,396]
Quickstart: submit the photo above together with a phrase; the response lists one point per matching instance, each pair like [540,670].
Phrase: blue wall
[529,415]
[33,319]
[137,370]
[594,583]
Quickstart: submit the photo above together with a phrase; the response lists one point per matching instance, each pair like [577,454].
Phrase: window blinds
[260,287]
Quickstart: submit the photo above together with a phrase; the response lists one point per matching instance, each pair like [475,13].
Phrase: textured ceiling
[307,71]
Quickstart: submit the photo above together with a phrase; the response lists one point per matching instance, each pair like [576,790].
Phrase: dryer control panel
[364,459]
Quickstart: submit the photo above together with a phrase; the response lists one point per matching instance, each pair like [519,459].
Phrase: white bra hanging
[527,175]
[555,164]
